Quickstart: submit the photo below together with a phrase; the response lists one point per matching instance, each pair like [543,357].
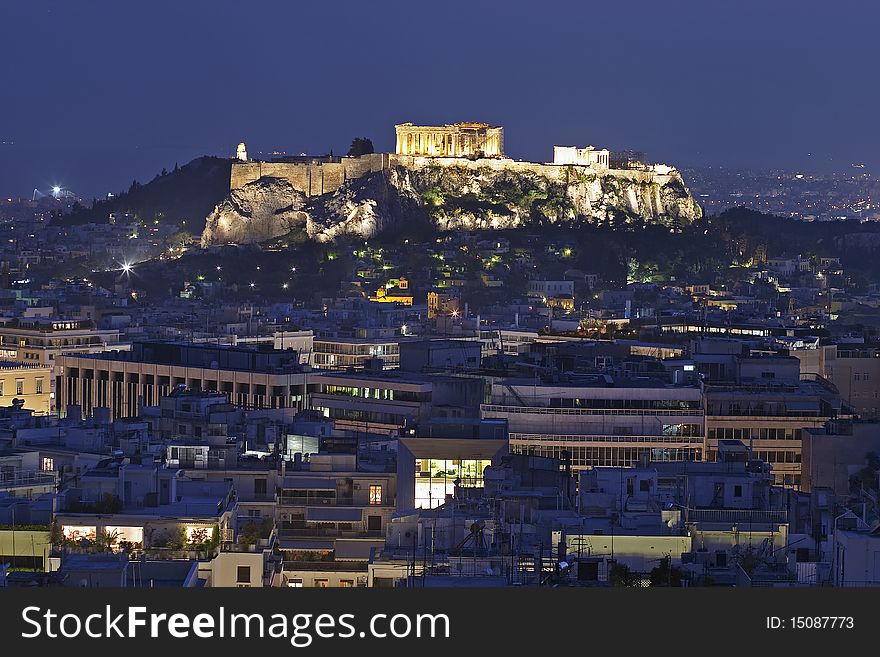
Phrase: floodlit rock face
[455,195]
[259,211]
[364,206]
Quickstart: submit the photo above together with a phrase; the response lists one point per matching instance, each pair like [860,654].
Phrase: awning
[802,405]
[333,514]
[308,483]
[306,544]
[356,550]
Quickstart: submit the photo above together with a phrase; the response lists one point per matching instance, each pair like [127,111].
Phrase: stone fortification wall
[326,178]
[310,179]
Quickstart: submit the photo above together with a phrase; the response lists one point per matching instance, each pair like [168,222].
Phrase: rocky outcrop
[459,196]
[259,211]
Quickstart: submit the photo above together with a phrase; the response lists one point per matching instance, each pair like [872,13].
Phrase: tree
[620,575]
[360,146]
[666,574]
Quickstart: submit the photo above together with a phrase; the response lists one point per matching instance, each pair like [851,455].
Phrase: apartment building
[331,517]
[40,340]
[30,384]
[390,402]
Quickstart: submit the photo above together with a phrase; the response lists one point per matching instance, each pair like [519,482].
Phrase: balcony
[327,566]
[736,516]
[28,480]
[547,410]
[330,532]
[308,500]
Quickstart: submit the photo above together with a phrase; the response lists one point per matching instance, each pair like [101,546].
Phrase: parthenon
[455,140]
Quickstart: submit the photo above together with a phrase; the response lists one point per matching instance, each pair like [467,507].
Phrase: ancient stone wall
[310,179]
[318,179]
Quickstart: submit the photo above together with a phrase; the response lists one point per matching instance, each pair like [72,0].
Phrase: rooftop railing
[28,479]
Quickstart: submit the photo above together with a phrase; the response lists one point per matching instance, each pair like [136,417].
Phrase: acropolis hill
[455,174]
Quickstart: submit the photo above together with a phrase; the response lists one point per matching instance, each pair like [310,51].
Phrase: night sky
[95,93]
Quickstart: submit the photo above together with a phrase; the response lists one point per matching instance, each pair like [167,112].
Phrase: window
[48,464]
[295,583]
[737,491]
[259,486]
[243,575]
[374,523]
[1,388]
[39,386]
[346,583]
[645,486]
[19,386]
[375,494]
[321,584]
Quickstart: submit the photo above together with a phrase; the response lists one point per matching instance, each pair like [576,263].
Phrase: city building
[332,516]
[40,340]
[127,381]
[27,385]
[393,401]
[356,353]
[601,420]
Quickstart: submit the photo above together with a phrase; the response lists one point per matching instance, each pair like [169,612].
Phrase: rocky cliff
[466,195]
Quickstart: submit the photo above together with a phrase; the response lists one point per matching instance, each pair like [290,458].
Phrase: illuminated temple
[456,140]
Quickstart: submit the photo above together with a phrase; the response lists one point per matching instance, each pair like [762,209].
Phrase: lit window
[376,494]
[48,464]
[19,386]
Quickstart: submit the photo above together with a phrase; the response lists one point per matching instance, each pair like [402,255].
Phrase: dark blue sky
[95,93]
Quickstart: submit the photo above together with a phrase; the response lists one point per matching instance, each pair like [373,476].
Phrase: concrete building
[430,469]
[853,369]
[30,384]
[601,420]
[127,381]
[355,353]
[703,517]
[393,401]
[331,517]
[834,453]
[856,556]
[769,418]
[433,355]
[147,506]
[40,340]
[543,288]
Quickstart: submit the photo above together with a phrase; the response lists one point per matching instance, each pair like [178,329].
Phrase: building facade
[127,381]
[605,424]
[29,383]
